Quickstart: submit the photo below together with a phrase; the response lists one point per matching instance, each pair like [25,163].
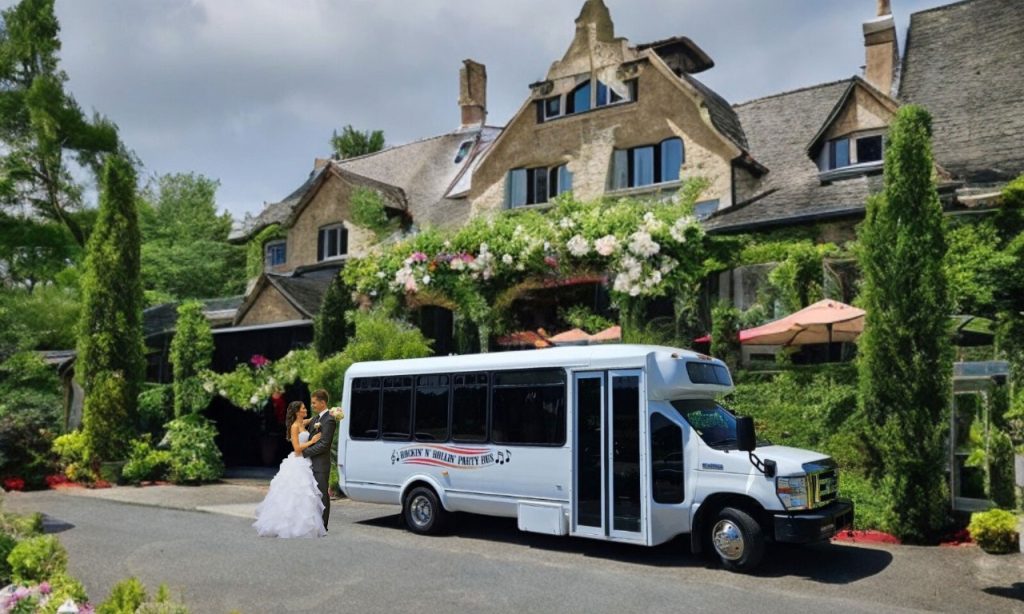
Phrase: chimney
[881,49]
[473,93]
[319,163]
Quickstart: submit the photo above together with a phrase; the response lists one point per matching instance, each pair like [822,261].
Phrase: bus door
[609,498]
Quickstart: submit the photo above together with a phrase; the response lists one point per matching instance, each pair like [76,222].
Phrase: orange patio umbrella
[826,321]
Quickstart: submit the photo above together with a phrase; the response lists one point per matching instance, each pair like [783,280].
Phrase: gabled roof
[814,147]
[778,129]
[964,62]
[723,116]
[303,289]
[394,197]
[276,213]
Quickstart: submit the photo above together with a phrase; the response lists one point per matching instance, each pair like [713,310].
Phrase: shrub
[21,526]
[30,412]
[156,408]
[37,559]
[72,450]
[145,463]
[62,588]
[191,353]
[126,596]
[195,457]
[7,543]
[995,531]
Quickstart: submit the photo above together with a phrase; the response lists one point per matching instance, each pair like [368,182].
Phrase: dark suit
[320,455]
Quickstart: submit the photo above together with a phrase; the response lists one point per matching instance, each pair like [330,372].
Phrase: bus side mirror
[746,436]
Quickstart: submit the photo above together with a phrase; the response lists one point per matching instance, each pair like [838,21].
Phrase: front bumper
[815,525]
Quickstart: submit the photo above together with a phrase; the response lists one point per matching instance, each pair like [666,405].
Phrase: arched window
[578,100]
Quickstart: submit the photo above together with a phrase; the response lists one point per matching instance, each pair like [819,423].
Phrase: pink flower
[418,257]
[44,588]
[259,361]
[551,261]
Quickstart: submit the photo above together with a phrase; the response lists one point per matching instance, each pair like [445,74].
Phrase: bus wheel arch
[745,516]
[423,509]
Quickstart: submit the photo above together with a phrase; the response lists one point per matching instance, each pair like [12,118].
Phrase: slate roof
[275,213]
[723,116]
[306,292]
[163,318]
[964,62]
[778,129]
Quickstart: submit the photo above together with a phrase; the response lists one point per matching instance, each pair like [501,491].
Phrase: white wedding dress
[293,507]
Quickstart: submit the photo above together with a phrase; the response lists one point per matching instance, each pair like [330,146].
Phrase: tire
[737,539]
[423,512]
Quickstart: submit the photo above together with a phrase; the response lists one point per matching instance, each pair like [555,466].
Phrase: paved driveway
[369,563]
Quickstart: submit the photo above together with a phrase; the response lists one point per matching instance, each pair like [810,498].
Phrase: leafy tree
[41,320]
[905,352]
[185,251]
[42,128]
[191,353]
[111,354]
[331,327]
[352,143]
[33,251]
[725,334]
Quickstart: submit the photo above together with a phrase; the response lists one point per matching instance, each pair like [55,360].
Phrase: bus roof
[609,356]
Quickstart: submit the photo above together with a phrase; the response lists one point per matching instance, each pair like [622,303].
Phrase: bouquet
[337,413]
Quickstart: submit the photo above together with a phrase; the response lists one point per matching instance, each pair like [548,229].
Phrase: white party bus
[621,443]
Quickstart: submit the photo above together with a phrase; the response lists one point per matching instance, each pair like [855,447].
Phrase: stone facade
[269,307]
[328,205]
[863,112]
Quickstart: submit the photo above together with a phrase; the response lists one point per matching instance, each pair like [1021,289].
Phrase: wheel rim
[728,540]
[422,511]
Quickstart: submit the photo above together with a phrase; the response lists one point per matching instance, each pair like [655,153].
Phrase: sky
[248,92]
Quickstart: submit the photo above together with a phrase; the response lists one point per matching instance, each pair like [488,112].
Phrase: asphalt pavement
[199,541]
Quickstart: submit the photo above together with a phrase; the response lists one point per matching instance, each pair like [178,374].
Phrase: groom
[320,452]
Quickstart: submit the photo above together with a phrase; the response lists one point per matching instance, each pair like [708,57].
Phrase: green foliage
[126,596]
[62,588]
[36,559]
[581,317]
[21,526]
[905,354]
[195,458]
[866,500]
[33,252]
[367,207]
[72,450]
[250,387]
[7,543]
[254,255]
[111,355]
[30,415]
[145,463]
[331,327]
[41,125]
[43,319]
[975,264]
[995,531]
[156,408]
[352,143]
[185,249]
[377,337]
[191,353]
[725,334]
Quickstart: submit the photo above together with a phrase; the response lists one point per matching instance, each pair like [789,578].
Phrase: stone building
[616,118]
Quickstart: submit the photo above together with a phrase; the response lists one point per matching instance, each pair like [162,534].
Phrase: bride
[293,507]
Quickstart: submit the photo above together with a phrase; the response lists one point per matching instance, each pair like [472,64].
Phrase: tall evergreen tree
[905,361]
[111,354]
[331,328]
[191,353]
[41,126]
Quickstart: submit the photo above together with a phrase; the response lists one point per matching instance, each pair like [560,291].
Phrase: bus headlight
[792,492]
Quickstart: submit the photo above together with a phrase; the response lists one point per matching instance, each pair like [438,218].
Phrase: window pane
[332,242]
[276,254]
[530,411]
[396,408]
[321,243]
[581,99]
[625,418]
[620,169]
[666,460]
[564,179]
[517,187]
[469,408]
[342,241]
[643,166]
[869,149]
[671,159]
[553,106]
[540,185]
[602,94]
[703,210]
[432,408]
[839,153]
[589,435]
[364,412]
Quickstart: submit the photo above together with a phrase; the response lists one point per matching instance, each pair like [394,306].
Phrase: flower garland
[250,385]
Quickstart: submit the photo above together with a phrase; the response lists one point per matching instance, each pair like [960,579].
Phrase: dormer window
[276,253]
[332,242]
[588,95]
[464,150]
[853,150]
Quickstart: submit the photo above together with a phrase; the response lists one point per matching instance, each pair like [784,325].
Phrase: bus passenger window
[364,413]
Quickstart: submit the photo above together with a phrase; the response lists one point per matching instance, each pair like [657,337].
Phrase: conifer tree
[191,353]
[905,353]
[111,354]
[331,328]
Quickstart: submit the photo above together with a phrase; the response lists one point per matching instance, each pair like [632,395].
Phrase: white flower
[621,284]
[483,248]
[634,291]
[381,274]
[520,267]
[426,280]
[222,392]
[457,264]
[641,244]
[578,246]
[678,230]
[652,224]
[606,245]
[447,244]
[507,259]
[208,387]
[567,223]
[254,400]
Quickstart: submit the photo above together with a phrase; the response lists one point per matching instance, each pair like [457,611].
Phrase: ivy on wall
[254,256]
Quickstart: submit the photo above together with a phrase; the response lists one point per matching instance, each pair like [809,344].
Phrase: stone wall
[862,112]
[270,307]
[330,205]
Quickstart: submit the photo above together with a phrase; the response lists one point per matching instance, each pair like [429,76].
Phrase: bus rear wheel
[737,539]
[423,512]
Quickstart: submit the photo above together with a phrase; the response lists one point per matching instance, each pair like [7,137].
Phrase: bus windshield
[715,424]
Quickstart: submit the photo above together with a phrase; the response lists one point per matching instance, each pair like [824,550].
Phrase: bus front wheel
[423,512]
[737,539]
